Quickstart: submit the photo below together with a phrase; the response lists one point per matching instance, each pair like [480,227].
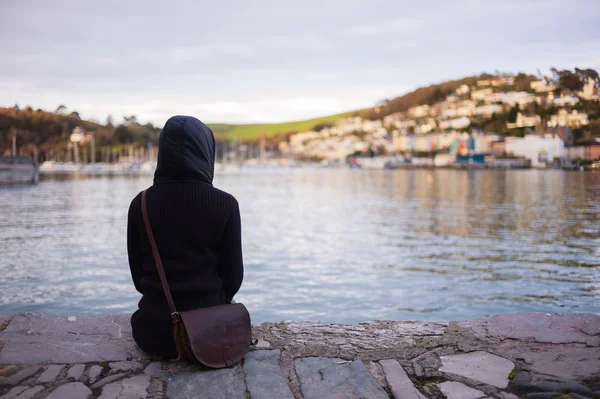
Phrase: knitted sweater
[198,234]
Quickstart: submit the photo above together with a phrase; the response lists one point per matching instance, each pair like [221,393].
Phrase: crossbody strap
[157,260]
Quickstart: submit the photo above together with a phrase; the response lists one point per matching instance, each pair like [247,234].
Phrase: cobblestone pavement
[527,355]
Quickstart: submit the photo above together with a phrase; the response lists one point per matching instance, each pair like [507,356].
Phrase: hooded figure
[197,232]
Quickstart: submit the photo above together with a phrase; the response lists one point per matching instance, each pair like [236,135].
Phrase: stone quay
[528,355]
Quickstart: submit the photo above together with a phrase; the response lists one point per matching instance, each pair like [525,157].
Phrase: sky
[272,60]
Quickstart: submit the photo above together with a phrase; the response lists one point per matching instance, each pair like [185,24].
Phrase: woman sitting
[197,231]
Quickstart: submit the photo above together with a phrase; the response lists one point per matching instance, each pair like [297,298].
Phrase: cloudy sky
[272,60]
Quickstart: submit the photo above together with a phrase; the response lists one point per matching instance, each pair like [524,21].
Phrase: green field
[254,131]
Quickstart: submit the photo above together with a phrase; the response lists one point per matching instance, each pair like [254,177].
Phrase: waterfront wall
[55,356]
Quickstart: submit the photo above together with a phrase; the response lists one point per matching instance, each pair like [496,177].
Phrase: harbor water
[329,244]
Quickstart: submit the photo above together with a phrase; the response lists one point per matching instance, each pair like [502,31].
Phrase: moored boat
[18,169]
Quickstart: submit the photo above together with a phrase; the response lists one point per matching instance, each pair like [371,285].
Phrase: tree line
[48,133]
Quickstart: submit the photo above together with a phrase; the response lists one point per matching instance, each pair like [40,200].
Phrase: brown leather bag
[217,336]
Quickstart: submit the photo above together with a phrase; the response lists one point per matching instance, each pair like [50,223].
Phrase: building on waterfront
[540,150]
[583,152]
[498,147]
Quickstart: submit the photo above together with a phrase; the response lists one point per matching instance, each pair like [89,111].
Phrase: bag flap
[219,336]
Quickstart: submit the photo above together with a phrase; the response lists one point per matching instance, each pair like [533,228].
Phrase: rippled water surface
[333,245]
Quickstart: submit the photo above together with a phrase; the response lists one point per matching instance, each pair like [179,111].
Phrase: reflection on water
[334,245]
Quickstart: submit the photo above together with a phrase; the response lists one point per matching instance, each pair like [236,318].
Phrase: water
[333,245]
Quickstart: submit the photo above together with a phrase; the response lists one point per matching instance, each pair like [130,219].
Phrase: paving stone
[130,388]
[71,390]
[111,391]
[135,387]
[94,373]
[539,327]
[125,367]
[480,366]
[456,390]
[153,368]
[565,387]
[522,379]
[400,385]
[421,396]
[261,344]
[51,373]
[264,377]
[224,383]
[8,370]
[176,366]
[38,338]
[526,380]
[427,365]
[156,387]
[31,393]
[20,376]
[109,379]
[322,377]
[13,392]
[572,361]
[75,372]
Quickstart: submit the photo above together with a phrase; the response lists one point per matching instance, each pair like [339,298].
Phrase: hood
[186,151]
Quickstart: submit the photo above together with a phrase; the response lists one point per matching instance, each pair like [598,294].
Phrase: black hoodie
[197,231]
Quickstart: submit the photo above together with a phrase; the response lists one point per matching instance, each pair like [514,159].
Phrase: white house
[479,95]
[463,89]
[524,121]
[517,97]
[572,119]
[542,86]
[488,109]
[419,111]
[541,150]
[590,90]
[566,100]
[458,123]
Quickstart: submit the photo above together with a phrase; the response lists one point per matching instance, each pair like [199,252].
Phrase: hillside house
[481,95]
[458,123]
[543,86]
[524,121]
[573,119]
[419,111]
[590,90]
[565,100]
[488,109]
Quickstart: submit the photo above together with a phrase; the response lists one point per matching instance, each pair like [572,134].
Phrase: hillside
[425,95]
[48,132]
[253,131]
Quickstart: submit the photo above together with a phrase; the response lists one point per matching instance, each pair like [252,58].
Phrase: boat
[18,169]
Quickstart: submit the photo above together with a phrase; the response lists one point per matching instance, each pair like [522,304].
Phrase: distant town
[444,133]
[486,121]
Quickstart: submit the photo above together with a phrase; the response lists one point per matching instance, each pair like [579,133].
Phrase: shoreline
[506,356]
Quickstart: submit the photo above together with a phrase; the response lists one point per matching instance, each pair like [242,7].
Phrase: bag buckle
[175,316]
